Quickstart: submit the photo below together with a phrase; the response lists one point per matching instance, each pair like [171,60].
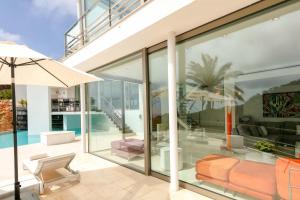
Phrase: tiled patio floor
[100,179]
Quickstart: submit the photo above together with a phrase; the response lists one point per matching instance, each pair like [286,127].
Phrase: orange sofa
[285,168]
[260,180]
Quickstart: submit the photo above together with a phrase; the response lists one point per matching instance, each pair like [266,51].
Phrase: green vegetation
[5,94]
[265,146]
[209,76]
[23,103]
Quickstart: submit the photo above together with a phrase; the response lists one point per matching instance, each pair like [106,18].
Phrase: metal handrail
[115,13]
[112,112]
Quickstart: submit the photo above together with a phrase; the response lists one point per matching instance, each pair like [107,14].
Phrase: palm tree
[207,76]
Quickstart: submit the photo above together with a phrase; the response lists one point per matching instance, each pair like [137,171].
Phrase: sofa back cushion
[263,131]
[254,131]
[288,172]
[243,129]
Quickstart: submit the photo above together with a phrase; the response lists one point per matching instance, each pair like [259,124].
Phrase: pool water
[6,139]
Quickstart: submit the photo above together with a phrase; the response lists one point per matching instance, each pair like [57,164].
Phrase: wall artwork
[281,105]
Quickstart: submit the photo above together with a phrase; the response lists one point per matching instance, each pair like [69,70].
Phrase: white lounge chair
[51,170]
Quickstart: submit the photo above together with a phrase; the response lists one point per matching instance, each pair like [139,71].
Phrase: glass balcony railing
[98,18]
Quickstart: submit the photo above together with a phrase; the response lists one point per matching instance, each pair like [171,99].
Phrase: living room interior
[238,107]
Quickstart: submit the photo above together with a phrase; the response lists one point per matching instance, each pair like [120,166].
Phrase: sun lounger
[51,170]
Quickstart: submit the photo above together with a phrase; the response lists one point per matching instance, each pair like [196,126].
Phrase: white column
[38,109]
[82,118]
[174,186]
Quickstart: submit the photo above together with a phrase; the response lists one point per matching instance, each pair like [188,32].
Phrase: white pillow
[264,130]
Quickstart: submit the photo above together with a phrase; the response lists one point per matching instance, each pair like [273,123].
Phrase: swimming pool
[6,139]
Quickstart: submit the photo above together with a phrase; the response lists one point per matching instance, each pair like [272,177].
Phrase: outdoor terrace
[100,179]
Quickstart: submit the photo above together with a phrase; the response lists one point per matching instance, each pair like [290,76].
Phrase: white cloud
[6,36]
[61,7]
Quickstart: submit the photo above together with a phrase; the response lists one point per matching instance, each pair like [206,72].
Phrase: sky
[39,24]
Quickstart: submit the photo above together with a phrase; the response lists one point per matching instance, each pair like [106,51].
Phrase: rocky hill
[5,115]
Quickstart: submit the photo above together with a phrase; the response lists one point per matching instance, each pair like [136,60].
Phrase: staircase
[114,115]
[184,120]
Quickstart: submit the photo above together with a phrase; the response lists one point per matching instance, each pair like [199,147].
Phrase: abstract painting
[281,105]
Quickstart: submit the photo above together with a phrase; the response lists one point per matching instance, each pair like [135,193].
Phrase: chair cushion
[134,144]
[128,145]
[256,176]
[216,166]
[38,156]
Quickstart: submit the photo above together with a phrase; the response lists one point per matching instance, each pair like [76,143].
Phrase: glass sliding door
[239,108]
[159,126]
[116,113]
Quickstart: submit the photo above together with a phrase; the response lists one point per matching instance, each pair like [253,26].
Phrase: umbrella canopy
[33,68]
[24,66]
[200,95]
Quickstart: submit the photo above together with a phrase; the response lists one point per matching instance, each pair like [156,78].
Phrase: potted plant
[23,103]
[267,148]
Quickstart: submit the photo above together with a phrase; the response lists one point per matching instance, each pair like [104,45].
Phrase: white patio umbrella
[24,66]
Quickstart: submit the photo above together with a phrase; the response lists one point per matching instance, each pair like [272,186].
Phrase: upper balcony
[98,19]
[119,32]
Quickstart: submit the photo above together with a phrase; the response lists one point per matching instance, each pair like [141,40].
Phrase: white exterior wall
[62,93]
[134,119]
[21,92]
[38,109]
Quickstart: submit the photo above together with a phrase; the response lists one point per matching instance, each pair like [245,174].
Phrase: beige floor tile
[100,179]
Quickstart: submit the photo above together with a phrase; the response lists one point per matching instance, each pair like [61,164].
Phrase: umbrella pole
[17,183]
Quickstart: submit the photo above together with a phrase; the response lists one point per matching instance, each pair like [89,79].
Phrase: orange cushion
[255,176]
[216,166]
[283,168]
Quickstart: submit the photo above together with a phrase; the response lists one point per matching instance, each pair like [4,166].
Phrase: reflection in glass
[238,108]
[116,118]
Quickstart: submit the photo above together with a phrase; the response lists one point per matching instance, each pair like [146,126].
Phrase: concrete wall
[38,106]
[62,93]
[134,119]
[21,92]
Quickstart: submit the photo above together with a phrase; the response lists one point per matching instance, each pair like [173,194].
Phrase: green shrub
[23,103]
[265,146]
[5,94]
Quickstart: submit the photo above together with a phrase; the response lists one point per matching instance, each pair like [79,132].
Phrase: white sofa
[57,137]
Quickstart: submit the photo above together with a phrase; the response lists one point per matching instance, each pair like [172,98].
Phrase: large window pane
[239,108]
[116,114]
[159,112]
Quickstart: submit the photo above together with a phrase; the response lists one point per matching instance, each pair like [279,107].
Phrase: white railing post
[174,186]
[82,118]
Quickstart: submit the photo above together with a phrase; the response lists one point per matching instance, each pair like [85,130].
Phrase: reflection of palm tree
[207,77]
